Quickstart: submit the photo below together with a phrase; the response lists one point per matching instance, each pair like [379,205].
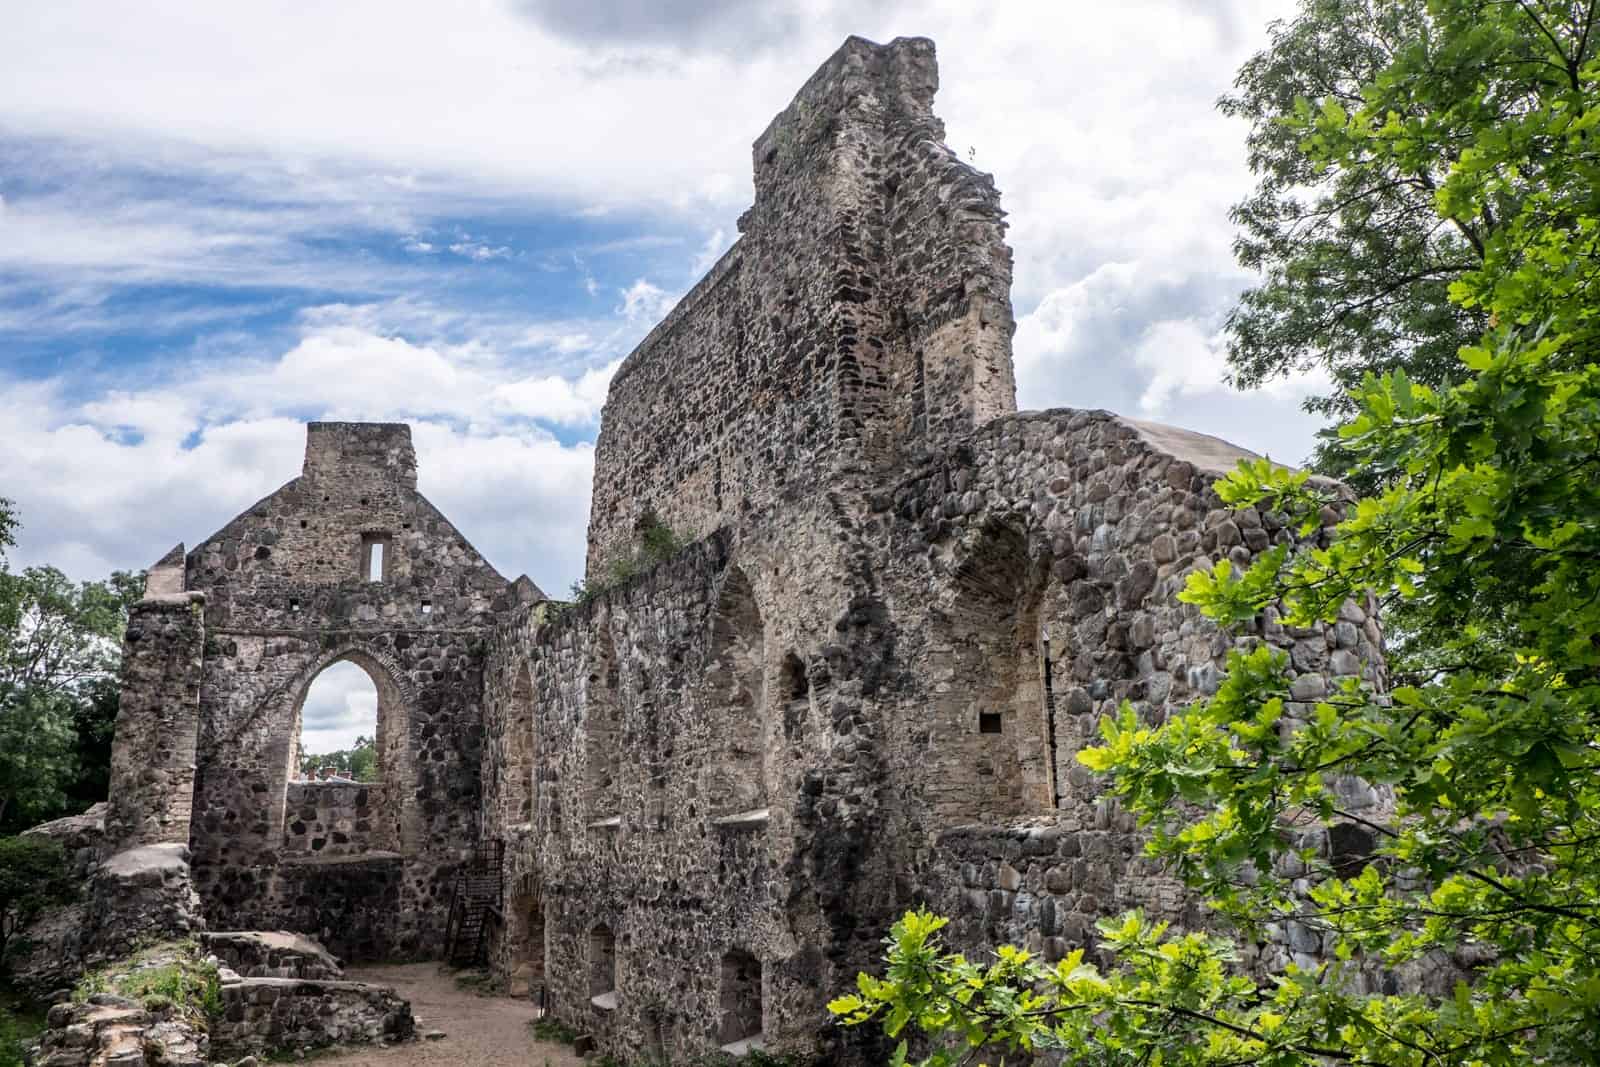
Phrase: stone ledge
[745,820]
[314,860]
[746,1045]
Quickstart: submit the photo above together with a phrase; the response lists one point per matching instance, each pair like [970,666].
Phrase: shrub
[33,875]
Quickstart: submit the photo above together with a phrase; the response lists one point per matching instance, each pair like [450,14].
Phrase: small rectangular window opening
[989,722]
[294,606]
[374,556]
[427,607]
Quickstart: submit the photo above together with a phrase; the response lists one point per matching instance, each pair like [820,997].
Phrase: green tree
[359,762]
[33,875]
[1356,247]
[59,653]
[1487,528]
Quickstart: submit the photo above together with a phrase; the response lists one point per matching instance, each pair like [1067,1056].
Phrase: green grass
[481,983]
[19,1024]
[184,981]
[553,1030]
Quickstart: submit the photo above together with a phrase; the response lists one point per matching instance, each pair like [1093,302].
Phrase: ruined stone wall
[333,818]
[291,588]
[932,655]
[862,313]
[1088,525]
[158,721]
[697,795]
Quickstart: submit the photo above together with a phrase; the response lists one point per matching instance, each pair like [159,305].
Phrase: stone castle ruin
[701,794]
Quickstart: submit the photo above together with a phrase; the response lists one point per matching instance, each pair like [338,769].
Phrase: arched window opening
[603,968]
[740,1020]
[339,752]
[338,736]
[518,787]
[733,778]
[993,727]
[603,733]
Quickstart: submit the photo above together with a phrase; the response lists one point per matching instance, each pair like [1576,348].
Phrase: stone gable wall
[285,596]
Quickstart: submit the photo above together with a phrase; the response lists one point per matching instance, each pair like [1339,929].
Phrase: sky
[218,221]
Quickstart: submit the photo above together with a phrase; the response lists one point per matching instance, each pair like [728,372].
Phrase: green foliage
[170,974]
[359,763]
[59,649]
[654,543]
[551,1029]
[754,1058]
[19,1026]
[33,876]
[1483,535]
[1404,149]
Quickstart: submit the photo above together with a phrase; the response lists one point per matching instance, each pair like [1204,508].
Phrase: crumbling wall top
[900,77]
[358,449]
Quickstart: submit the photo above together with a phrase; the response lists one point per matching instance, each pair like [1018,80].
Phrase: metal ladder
[474,897]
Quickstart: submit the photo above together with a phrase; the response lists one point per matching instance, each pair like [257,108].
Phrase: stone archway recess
[396,700]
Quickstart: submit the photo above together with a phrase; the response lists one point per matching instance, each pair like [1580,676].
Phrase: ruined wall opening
[376,556]
[740,1017]
[343,760]
[603,967]
[655,1039]
[338,726]
[525,930]
[793,682]
[733,777]
[519,788]
[992,725]
[603,731]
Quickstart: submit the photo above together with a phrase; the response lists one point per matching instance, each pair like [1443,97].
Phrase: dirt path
[479,1031]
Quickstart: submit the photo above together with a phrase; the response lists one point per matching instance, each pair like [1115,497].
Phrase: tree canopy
[359,762]
[59,650]
[1485,524]
[1360,229]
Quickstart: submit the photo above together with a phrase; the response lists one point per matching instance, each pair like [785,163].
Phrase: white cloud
[645,301]
[480,252]
[112,479]
[557,399]
[1146,340]
[1113,164]
[340,706]
[716,243]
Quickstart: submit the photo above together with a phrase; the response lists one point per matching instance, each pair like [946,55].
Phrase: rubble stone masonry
[902,610]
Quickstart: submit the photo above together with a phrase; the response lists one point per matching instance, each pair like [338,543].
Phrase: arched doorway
[525,932]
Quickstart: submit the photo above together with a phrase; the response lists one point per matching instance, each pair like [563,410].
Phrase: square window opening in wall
[375,556]
[990,722]
[425,608]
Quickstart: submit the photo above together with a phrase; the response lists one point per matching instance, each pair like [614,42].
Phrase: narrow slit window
[374,557]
